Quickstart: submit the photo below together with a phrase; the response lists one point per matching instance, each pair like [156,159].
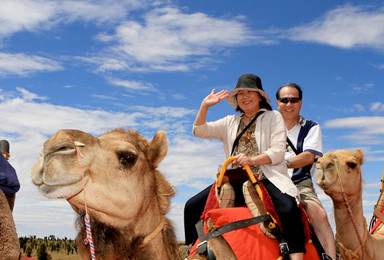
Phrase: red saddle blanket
[377,223]
[26,258]
[248,243]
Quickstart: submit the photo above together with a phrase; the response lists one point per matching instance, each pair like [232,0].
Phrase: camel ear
[360,155]
[158,148]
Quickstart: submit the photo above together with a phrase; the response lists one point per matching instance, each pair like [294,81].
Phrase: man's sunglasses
[287,99]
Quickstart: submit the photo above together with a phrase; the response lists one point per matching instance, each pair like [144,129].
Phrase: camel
[9,242]
[341,170]
[126,197]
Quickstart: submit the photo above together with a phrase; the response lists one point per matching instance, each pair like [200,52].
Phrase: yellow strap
[250,176]
[338,175]
[378,214]
[223,170]
[380,200]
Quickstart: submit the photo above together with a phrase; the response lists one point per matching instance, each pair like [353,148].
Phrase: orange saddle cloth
[249,242]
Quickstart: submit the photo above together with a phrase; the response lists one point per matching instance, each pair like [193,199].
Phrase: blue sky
[147,65]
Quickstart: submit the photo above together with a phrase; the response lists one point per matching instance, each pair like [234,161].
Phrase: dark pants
[290,217]
[193,209]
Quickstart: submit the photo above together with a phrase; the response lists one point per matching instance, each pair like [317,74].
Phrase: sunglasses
[287,99]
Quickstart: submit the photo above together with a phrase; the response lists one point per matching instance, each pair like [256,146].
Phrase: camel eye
[351,165]
[127,159]
[330,166]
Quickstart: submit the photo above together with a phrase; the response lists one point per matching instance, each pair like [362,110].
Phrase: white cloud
[133,85]
[359,107]
[178,96]
[371,124]
[104,97]
[360,131]
[99,11]
[22,64]
[377,107]
[363,88]
[170,40]
[24,15]
[29,96]
[344,27]
[165,39]
[33,15]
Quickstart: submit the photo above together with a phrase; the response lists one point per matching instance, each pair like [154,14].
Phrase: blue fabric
[303,173]
[9,183]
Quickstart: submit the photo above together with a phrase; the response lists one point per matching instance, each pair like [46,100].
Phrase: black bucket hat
[249,82]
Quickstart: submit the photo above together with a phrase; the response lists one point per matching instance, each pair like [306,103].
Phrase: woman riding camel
[262,147]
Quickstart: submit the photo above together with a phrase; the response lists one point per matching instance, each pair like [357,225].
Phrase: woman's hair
[263,104]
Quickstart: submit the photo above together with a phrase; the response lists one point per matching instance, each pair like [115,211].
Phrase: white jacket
[270,136]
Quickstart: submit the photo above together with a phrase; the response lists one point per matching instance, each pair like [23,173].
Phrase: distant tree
[58,245]
[52,237]
[42,252]
[68,249]
[53,247]
[23,243]
[29,251]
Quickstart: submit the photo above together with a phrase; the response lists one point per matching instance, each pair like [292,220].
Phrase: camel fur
[127,198]
[9,243]
[348,165]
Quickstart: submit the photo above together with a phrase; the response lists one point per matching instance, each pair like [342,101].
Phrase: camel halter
[362,247]
[154,233]
[87,219]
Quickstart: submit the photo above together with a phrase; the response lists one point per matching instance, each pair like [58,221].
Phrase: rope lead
[87,219]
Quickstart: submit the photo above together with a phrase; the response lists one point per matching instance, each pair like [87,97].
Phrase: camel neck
[345,229]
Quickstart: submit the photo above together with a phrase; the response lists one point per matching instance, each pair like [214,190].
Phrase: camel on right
[339,175]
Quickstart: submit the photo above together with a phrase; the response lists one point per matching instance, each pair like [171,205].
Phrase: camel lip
[61,191]
[62,149]
[74,195]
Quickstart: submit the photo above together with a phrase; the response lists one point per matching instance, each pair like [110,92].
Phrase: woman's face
[249,101]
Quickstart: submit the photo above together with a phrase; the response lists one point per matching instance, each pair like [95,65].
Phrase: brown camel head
[339,165]
[119,168]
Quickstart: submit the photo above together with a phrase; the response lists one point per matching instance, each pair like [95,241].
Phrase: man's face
[289,109]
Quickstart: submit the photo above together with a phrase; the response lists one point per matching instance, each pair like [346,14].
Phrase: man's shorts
[307,192]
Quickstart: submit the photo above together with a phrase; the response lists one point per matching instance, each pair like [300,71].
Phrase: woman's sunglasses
[287,99]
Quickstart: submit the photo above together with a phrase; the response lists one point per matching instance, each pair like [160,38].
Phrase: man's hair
[292,85]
